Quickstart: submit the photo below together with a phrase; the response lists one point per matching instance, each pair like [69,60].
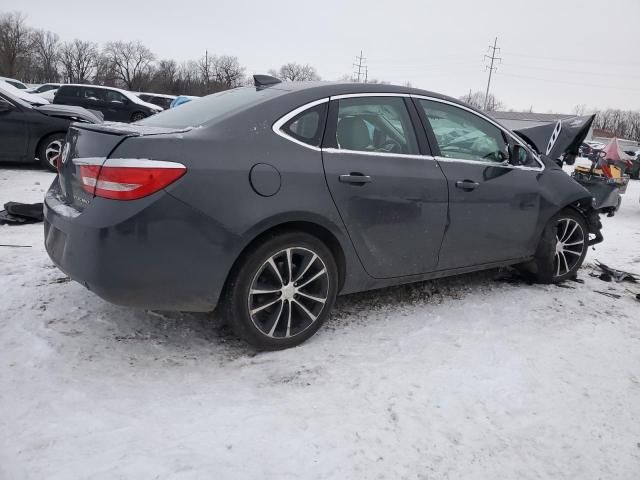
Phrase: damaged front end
[558,143]
[592,217]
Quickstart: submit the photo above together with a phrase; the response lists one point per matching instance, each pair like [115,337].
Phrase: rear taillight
[128,178]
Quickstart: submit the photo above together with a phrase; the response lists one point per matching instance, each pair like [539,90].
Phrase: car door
[13,131]
[493,203]
[95,99]
[390,193]
[117,105]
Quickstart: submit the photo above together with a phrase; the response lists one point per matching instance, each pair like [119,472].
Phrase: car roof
[322,89]
[88,85]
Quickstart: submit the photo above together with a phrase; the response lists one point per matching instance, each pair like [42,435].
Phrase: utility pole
[493,49]
[360,66]
[366,74]
[206,68]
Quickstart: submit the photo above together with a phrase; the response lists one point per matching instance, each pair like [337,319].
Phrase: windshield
[212,107]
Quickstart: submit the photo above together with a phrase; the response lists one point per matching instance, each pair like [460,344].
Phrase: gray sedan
[269,201]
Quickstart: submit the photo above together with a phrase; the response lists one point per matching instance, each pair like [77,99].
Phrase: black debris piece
[608,294]
[609,274]
[16,213]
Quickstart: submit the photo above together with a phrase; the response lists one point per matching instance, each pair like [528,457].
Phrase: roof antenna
[265,80]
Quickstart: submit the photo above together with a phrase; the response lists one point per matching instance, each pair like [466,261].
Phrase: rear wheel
[49,151]
[137,116]
[281,293]
[562,248]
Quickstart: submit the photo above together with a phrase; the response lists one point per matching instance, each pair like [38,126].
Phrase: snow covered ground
[469,377]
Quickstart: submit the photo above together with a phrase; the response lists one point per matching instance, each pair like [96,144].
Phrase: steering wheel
[390,146]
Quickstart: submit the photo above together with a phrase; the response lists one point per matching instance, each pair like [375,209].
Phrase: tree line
[39,56]
[621,123]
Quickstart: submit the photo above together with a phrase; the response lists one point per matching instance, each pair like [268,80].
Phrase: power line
[493,49]
[359,66]
[568,83]
[575,60]
[562,70]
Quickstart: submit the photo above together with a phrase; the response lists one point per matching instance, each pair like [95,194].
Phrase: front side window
[463,135]
[307,126]
[375,124]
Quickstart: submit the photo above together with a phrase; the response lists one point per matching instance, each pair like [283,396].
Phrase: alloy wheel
[570,244]
[52,152]
[288,292]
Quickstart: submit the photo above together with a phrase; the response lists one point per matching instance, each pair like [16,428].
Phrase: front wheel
[280,293]
[49,151]
[562,248]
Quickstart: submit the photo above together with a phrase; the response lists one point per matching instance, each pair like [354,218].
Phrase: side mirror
[6,107]
[519,156]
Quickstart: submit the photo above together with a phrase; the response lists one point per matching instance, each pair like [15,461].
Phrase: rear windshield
[212,107]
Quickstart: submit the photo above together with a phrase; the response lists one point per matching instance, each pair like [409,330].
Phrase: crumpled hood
[555,139]
[77,114]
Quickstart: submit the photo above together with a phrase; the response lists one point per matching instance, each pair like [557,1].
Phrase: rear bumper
[153,253]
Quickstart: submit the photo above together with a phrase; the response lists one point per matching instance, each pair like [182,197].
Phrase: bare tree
[166,77]
[46,49]
[476,99]
[621,123]
[295,72]
[228,71]
[79,59]
[131,61]
[15,44]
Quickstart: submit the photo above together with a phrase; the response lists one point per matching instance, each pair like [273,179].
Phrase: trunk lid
[89,146]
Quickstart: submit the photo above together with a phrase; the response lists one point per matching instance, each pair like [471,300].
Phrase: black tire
[137,116]
[49,149]
[554,262]
[274,310]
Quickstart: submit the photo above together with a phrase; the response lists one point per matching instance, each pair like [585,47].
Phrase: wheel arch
[42,138]
[315,228]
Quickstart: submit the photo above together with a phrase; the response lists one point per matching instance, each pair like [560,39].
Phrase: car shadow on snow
[192,335]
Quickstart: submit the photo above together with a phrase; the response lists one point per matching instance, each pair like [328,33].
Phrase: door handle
[467,185]
[356,178]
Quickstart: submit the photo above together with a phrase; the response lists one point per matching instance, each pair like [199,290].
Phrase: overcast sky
[556,54]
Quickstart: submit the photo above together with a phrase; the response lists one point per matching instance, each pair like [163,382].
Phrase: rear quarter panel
[219,159]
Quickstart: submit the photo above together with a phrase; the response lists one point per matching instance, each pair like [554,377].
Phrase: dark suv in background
[115,104]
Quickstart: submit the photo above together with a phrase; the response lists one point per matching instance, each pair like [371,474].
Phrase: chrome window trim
[278,124]
[485,164]
[377,154]
[355,95]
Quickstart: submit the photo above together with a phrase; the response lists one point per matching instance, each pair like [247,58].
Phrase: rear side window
[95,94]
[464,135]
[65,91]
[200,111]
[307,126]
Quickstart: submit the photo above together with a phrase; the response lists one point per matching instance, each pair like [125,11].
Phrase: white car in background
[48,95]
[14,83]
[22,93]
[45,87]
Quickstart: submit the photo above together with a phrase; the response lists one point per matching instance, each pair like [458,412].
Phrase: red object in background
[610,154]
